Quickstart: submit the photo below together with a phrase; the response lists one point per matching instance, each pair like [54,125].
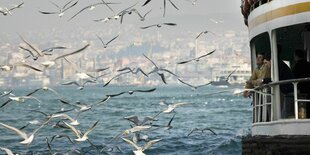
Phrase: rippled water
[226,114]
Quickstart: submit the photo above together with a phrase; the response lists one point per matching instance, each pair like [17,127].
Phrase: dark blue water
[226,114]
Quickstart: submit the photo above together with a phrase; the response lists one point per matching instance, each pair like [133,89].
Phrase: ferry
[238,74]
[273,24]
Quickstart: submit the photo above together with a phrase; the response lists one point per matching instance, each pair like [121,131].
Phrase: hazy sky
[28,17]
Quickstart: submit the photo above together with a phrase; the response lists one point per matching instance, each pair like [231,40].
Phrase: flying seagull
[133,71]
[90,7]
[159,25]
[105,45]
[159,70]
[194,87]
[27,138]
[203,32]
[5,11]
[202,130]
[139,150]
[80,137]
[196,59]
[52,62]
[130,92]
[61,10]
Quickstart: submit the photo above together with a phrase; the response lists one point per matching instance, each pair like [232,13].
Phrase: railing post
[295,99]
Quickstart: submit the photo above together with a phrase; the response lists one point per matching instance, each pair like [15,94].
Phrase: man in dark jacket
[302,70]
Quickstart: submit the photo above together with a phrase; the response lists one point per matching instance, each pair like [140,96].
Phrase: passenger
[301,70]
[258,73]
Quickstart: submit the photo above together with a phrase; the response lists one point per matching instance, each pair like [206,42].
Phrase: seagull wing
[19,132]
[186,61]
[186,83]
[32,47]
[17,6]
[140,70]
[65,8]
[173,5]
[71,83]
[207,54]
[150,60]
[31,67]
[123,69]
[166,70]
[150,90]
[77,51]
[87,7]
[162,76]
[131,143]
[133,118]
[199,35]
[47,13]
[90,129]
[7,151]
[170,24]
[146,2]
[150,143]
[145,27]
[112,39]
[75,131]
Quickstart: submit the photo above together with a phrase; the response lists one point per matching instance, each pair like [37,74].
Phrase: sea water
[228,115]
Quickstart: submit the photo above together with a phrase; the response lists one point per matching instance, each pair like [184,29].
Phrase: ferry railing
[262,104]
[262,101]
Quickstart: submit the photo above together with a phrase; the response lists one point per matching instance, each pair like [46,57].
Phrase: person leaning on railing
[260,72]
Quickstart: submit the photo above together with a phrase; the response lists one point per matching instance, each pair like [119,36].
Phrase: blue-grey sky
[28,18]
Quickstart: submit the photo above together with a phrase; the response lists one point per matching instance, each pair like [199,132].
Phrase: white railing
[264,100]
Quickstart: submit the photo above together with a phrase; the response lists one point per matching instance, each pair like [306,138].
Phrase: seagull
[203,32]
[59,114]
[90,7]
[7,151]
[171,107]
[196,59]
[159,71]
[194,87]
[27,138]
[7,11]
[80,137]
[227,78]
[52,62]
[168,126]
[159,25]
[197,129]
[47,51]
[80,86]
[137,128]
[62,10]
[105,45]
[20,98]
[61,136]
[142,18]
[116,76]
[134,119]
[139,150]
[130,92]
[133,71]
[85,107]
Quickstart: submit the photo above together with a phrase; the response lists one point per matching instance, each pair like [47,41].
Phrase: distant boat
[221,82]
